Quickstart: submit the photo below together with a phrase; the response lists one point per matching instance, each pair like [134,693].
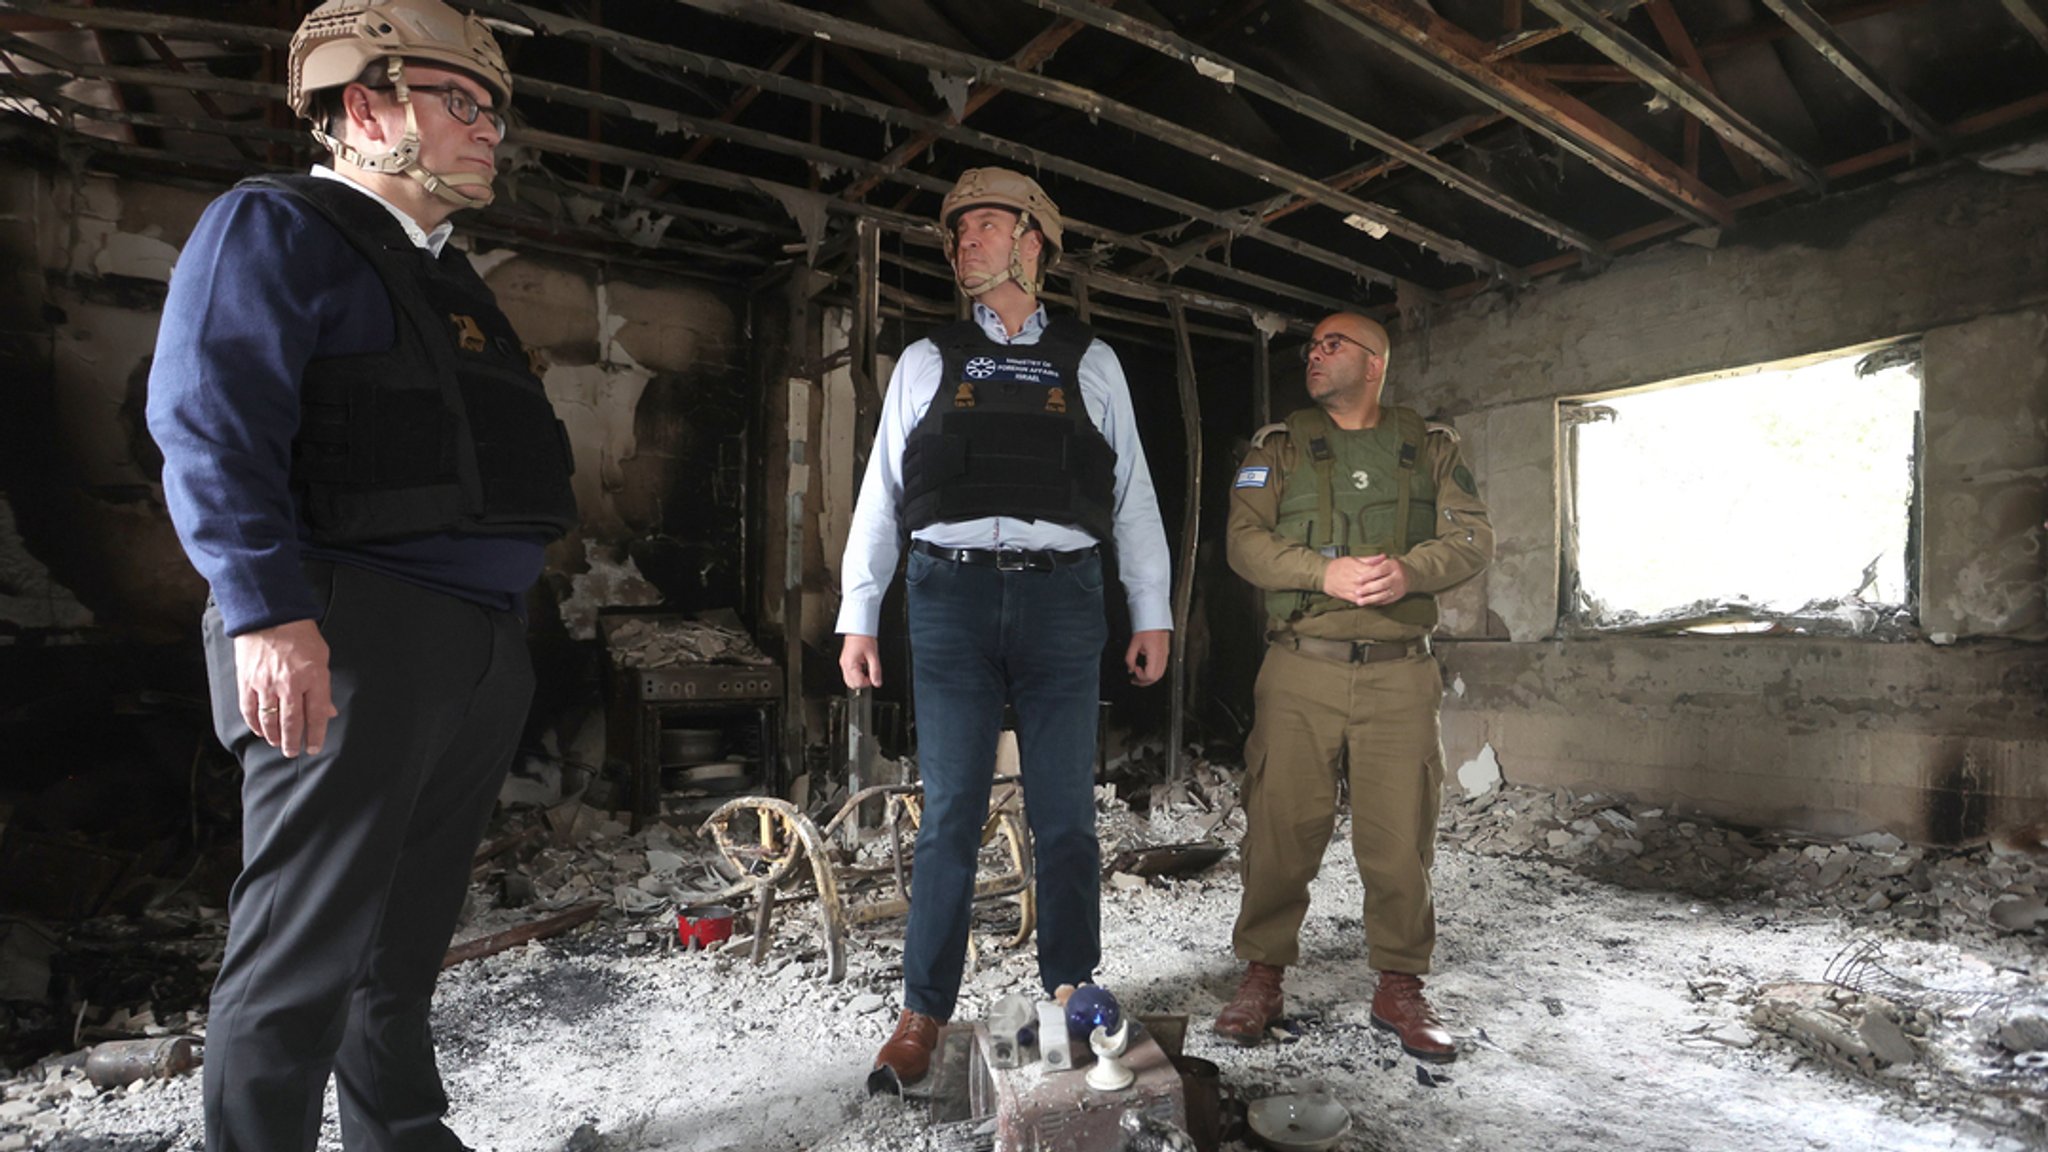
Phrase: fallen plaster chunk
[867,1002]
[1481,773]
[2024,1032]
[1886,1039]
[1734,1036]
[2021,914]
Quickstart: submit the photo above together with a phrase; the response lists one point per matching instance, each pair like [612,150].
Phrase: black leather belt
[1005,559]
[1352,651]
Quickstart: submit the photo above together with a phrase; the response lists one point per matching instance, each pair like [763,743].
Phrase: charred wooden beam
[1233,74]
[2029,18]
[909,225]
[1968,126]
[124,74]
[181,27]
[1679,42]
[1457,58]
[1766,31]
[1660,74]
[1233,223]
[1801,18]
[788,17]
[1034,53]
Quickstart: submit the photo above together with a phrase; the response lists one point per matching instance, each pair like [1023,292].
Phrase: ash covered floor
[1615,978]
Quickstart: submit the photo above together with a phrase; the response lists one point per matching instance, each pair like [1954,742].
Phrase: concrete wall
[1928,740]
[646,372]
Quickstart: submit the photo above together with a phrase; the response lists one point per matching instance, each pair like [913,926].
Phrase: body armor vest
[1007,434]
[1356,494]
[448,430]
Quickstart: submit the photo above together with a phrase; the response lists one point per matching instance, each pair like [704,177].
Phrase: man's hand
[1146,657]
[1344,579]
[860,662]
[286,695]
[1386,581]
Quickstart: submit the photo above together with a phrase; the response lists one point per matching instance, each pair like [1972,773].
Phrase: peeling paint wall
[647,373]
[1926,740]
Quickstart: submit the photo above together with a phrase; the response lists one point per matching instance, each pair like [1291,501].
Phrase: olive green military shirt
[1461,548]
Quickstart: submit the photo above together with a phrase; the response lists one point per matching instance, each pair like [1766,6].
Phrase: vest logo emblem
[468,335]
[963,396]
[1360,479]
[981,368]
[1056,400]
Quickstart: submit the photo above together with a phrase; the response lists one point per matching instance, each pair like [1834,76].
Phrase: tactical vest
[1356,494]
[449,429]
[1007,434]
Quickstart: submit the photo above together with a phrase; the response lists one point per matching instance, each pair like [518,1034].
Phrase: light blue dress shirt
[872,544]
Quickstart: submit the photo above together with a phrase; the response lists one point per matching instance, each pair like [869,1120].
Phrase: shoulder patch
[1259,437]
[1446,429]
[1462,476]
[1253,477]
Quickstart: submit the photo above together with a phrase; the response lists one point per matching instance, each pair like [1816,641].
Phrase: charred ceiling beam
[1231,74]
[1679,42]
[788,17]
[1035,52]
[1683,90]
[667,120]
[571,29]
[2030,18]
[1968,126]
[1801,18]
[1765,31]
[756,186]
[1355,177]
[123,74]
[182,27]
[1457,58]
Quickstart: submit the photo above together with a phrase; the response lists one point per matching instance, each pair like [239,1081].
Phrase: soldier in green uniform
[1350,516]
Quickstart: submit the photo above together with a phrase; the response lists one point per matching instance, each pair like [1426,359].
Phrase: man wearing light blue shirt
[1009,452]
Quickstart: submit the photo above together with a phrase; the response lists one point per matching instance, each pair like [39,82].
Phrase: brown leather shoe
[907,1055]
[1398,1007]
[1255,1007]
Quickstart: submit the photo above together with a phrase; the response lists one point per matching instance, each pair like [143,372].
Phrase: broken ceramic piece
[1298,1122]
[1107,1074]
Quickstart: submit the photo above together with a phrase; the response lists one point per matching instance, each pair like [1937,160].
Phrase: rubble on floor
[1969,1043]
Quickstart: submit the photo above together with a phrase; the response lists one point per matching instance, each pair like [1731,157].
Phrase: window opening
[1777,499]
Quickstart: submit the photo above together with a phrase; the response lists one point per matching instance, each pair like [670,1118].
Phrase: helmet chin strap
[978,286]
[462,189]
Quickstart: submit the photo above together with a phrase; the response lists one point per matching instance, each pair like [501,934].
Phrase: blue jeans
[981,638]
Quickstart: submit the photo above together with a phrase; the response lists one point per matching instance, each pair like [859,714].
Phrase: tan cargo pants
[1378,723]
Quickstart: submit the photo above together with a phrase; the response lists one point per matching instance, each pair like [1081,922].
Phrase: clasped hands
[1365,580]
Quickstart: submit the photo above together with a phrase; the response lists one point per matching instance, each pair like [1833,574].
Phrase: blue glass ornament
[1091,1007]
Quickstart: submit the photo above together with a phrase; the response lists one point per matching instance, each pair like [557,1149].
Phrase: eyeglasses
[459,102]
[1333,344]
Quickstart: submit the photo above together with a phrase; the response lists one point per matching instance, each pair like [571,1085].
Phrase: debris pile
[1992,888]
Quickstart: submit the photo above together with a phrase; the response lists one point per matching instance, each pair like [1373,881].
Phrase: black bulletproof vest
[448,430]
[1008,435]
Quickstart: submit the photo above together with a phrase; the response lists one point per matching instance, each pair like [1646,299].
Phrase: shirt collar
[999,332]
[431,241]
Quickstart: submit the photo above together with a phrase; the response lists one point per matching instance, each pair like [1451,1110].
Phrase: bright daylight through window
[1743,502]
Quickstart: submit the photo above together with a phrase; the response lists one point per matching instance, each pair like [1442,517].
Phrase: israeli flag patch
[1252,477]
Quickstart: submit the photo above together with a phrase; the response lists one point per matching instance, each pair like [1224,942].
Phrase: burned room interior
[1737,310]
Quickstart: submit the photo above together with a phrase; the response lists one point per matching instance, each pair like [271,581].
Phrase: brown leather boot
[1257,1004]
[1398,1007]
[907,1055]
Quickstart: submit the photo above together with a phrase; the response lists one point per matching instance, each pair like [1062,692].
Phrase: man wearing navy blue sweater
[360,460]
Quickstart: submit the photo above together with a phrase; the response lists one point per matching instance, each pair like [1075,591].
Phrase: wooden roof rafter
[1456,57]
[1223,70]
[1675,85]
[1822,37]
[788,17]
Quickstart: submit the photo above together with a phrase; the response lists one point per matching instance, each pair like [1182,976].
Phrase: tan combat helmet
[1002,188]
[342,37]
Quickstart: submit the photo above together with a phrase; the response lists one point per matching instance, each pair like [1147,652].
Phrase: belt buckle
[1011,560]
[1361,651]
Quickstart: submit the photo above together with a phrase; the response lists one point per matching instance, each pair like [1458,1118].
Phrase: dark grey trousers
[354,865]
